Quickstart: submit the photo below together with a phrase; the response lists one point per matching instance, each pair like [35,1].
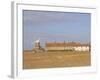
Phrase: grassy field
[55,59]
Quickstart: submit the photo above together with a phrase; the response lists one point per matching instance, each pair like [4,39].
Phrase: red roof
[63,44]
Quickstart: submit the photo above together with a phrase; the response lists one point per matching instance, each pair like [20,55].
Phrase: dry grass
[55,59]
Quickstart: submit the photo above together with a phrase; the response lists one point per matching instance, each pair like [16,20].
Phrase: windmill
[38,48]
[37,44]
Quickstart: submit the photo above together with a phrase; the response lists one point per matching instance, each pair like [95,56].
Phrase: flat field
[54,59]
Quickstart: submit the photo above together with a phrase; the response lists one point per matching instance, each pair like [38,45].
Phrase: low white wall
[83,48]
[55,48]
[59,48]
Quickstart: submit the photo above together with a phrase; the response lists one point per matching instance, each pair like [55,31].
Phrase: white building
[81,48]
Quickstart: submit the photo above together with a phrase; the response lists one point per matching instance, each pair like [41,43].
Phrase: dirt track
[55,59]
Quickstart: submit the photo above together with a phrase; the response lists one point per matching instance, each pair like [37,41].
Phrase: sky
[51,26]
